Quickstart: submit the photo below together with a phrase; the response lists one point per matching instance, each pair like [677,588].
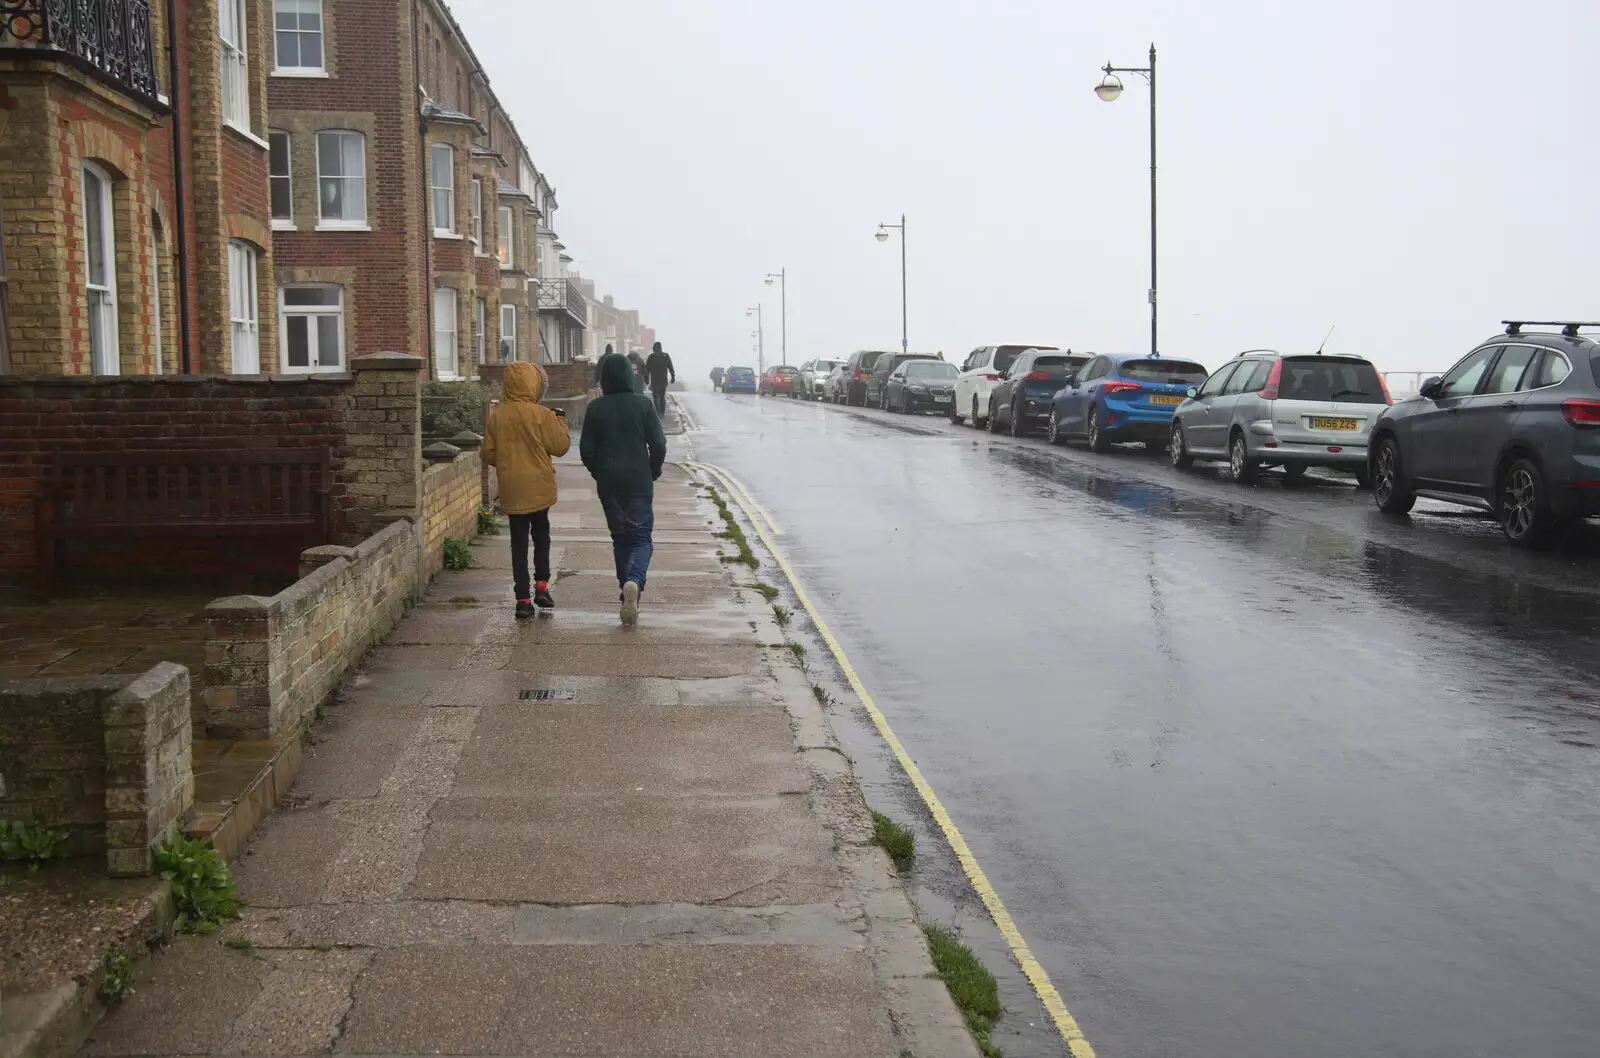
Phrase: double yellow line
[1065,1023]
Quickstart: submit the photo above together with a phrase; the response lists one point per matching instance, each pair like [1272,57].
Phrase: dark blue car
[1122,397]
[739,380]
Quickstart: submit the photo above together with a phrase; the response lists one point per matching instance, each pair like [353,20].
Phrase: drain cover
[546,694]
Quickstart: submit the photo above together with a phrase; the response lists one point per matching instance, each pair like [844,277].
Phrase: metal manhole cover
[548,695]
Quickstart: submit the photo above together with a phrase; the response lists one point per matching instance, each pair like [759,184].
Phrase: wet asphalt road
[1258,772]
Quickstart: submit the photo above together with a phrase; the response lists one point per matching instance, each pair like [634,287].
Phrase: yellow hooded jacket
[519,440]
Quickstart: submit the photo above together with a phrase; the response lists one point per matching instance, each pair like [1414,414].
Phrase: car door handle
[1509,404]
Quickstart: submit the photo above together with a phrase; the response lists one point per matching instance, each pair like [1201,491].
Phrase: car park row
[1513,428]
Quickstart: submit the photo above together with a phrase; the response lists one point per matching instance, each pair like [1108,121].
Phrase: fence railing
[1403,384]
[565,295]
[108,38]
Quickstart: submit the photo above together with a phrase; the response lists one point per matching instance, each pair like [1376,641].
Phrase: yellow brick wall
[451,496]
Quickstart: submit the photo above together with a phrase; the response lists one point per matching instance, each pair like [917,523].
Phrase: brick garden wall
[451,496]
[107,758]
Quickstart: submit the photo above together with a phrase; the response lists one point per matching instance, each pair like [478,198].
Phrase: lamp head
[1109,88]
[769,281]
[882,235]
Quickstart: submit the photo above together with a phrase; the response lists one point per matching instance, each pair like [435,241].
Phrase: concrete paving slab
[667,662]
[353,749]
[301,1004]
[708,624]
[440,625]
[289,856]
[186,1002]
[413,658]
[597,590]
[827,925]
[391,924]
[580,750]
[547,850]
[682,1000]
[695,558]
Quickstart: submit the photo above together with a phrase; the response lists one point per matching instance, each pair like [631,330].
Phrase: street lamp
[882,235]
[783,306]
[761,341]
[1109,88]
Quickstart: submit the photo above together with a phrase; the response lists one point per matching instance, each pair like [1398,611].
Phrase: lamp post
[882,235]
[1109,88]
[761,341]
[783,306]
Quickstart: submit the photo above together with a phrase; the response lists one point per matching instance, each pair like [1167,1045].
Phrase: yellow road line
[740,494]
[1065,1023]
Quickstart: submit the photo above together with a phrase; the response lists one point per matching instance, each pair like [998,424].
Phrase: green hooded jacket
[622,443]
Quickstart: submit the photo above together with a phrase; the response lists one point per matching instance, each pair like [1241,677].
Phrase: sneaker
[630,602]
[524,608]
[542,599]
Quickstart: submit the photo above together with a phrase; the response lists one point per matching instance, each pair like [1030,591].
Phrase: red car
[778,380]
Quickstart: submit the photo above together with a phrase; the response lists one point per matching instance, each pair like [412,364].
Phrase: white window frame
[244,317]
[477,215]
[280,70]
[313,333]
[155,301]
[286,222]
[442,197]
[358,180]
[444,339]
[505,238]
[480,329]
[233,32]
[100,299]
[508,312]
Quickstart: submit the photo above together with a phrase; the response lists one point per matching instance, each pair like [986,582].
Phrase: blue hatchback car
[739,380]
[1122,397]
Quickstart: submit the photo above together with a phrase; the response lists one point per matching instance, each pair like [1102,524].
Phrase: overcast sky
[1411,172]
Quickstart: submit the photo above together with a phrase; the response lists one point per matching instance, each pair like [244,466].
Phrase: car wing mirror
[1431,387]
[1192,392]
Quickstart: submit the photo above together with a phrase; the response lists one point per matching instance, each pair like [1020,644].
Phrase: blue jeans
[631,520]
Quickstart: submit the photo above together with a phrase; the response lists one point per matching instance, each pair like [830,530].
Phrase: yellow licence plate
[1320,423]
[1166,400]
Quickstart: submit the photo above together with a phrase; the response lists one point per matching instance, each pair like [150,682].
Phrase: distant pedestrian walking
[624,448]
[659,368]
[519,439]
[637,363]
[716,378]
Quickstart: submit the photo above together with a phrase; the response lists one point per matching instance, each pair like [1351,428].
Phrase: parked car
[813,381]
[1119,397]
[739,380]
[1264,408]
[837,386]
[877,382]
[979,373]
[918,385]
[1513,428]
[779,379]
[1021,399]
[859,367]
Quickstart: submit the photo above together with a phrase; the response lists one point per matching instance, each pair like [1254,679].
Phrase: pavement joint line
[1065,1023]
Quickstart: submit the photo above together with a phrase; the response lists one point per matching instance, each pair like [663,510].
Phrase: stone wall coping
[239,605]
[441,452]
[387,362]
[466,439]
[322,554]
[57,686]
[127,706]
[381,539]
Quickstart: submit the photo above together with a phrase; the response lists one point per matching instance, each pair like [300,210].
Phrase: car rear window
[1330,378]
[1060,361]
[1007,353]
[1594,366]
[869,360]
[741,371]
[931,369]
[900,358]
[784,371]
[1175,372]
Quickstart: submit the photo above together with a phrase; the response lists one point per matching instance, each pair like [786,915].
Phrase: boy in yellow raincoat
[519,441]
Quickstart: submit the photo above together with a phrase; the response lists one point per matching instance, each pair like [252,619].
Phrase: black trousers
[660,395]
[538,524]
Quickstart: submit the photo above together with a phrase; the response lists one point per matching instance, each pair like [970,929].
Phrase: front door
[1204,426]
[1484,421]
[1429,457]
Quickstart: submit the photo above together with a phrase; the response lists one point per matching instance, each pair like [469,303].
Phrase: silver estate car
[813,381]
[1265,408]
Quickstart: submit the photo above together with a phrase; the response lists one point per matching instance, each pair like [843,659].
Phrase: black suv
[856,372]
[1513,428]
[877,381]
[1022,396]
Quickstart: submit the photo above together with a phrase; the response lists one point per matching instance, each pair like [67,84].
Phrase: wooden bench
[271,492]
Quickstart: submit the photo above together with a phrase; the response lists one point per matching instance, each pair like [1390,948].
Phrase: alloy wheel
[1383,486]
[1239,460]
[1052,432]
[1519,506]
[1178,448]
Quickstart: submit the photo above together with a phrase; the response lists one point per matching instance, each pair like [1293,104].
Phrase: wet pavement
[1257,771]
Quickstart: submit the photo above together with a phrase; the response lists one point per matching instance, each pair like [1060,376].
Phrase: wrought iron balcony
[564,295]
[108,38]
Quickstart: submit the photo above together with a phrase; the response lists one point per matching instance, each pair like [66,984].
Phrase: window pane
[311,296]
[442,175]
[278,154]
[1553,368]
[288,48]
[328,340]
[311,50]
[94,226]
[1508,369]
[355,163]
[298,337]
[1463,380]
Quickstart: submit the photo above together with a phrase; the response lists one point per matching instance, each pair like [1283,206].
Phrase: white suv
[979,374]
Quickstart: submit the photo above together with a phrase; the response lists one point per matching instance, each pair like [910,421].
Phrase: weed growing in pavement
[782,614]
[116,975]
[799,651]
[823,698]
[239,944]
[31,842]
[896,840]
[202,888]
[733,533]
[971,985]
[487,526]
[457,555]
[463,600]
[768,592]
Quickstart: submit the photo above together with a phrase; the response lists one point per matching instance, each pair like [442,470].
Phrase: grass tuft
[768,592]
[782,614]
[734,533]
[971,985]
[457,555]
[896,840]
[239,944]
[799,652]
[822,696]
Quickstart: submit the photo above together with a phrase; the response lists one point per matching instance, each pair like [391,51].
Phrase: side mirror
[1430,388]
[1192,392]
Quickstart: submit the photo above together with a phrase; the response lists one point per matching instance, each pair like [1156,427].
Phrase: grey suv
[1513,428]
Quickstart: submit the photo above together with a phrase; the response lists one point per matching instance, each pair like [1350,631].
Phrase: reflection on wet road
[1258,772]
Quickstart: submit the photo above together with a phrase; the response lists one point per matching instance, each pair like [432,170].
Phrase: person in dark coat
[716,378]
[623,447]
[637,363]
[659,368]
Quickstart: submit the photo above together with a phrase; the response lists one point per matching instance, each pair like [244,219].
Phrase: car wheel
[955,416]
[993,421]
[1295,473]
[1524,508]
[1019,422]
[1097,436]
[1390,489]
[1052,432]
[1240,466]
[977,423]
[1178,448]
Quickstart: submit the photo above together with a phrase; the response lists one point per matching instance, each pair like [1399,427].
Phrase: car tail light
[1385,384]
[1270,390]
[1121,387]
[1582,413]
[992,377]
[858,374]
[1038,376]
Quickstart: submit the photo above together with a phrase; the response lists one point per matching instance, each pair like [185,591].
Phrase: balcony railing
[108,38]
[564,295]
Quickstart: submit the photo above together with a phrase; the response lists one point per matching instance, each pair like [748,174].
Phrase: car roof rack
[1568,327]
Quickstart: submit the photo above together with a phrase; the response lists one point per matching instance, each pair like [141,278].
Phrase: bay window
[245,328]
[444,333]
[100,272]
[235,63]
[442,176]
[506,247]
[508,333]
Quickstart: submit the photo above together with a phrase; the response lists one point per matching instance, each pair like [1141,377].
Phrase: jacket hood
[616,374]
[523,382]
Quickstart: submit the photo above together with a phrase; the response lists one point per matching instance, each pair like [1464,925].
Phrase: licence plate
[941,398]
[1166,400]
[1320,423]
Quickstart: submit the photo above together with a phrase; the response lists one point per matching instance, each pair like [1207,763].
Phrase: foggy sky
[1410,172]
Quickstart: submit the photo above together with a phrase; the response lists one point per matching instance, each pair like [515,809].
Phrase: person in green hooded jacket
[623,447]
